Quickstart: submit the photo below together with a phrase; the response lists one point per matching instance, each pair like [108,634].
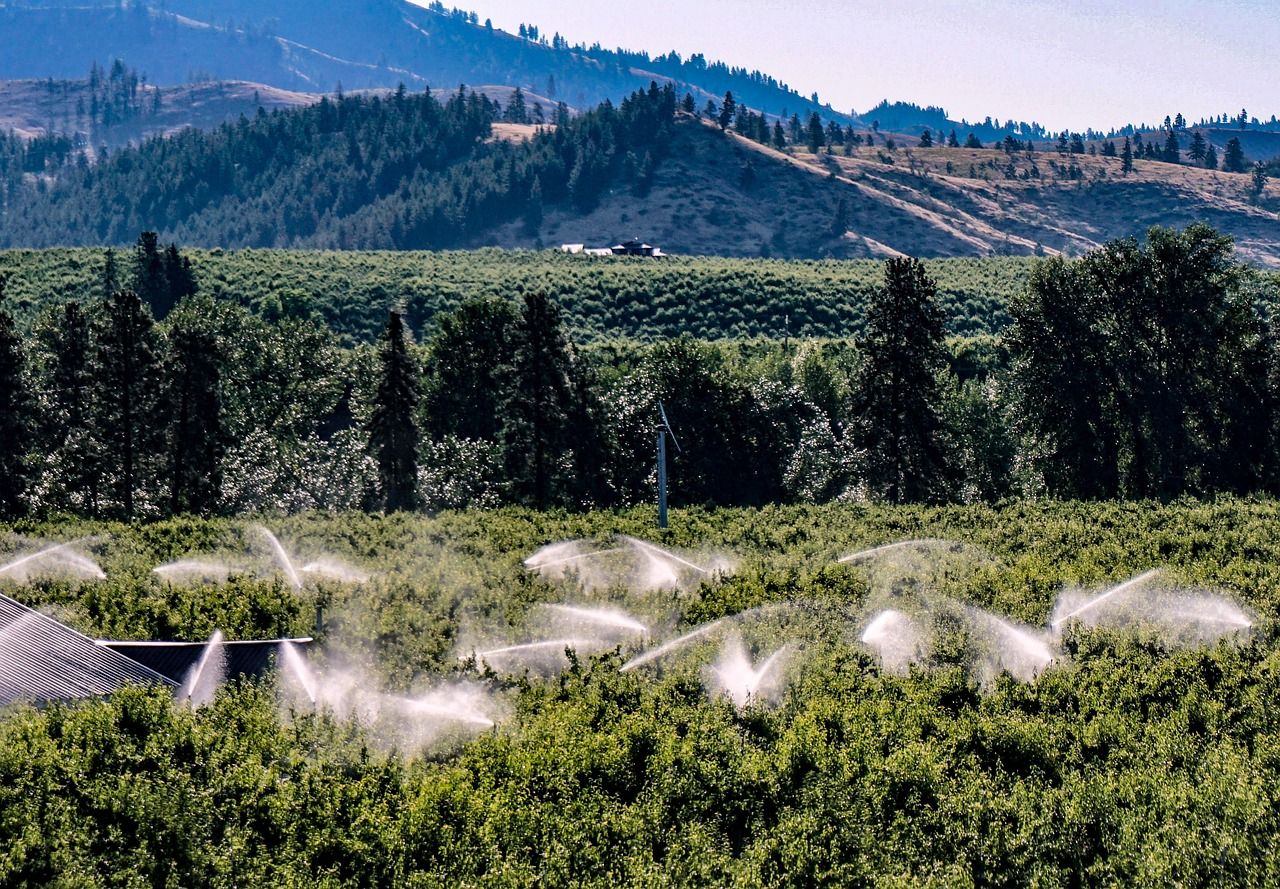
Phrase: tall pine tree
[17,415]
[897,399]
[728,111]
[195,430]
[1233,158]
[535,416]
[126,376]
[393,428]
[67,437]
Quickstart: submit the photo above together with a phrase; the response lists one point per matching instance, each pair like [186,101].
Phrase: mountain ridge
[376,44]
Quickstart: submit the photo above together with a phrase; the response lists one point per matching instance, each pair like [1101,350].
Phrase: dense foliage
[1129,763]
[602,299]
[1145,370]
[1142,370]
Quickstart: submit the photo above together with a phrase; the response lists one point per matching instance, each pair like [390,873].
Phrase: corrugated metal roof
[42,660]
[175,659]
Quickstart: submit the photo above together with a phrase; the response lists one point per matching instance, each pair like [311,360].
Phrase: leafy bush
[1130,763]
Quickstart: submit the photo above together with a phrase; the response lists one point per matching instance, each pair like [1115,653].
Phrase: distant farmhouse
[633,247]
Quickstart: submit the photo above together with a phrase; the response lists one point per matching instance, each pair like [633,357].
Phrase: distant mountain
[406,171]
[911,119]
[117,112]
[113,108]
[301,45]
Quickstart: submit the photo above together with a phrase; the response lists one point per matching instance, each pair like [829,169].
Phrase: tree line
[1141,370]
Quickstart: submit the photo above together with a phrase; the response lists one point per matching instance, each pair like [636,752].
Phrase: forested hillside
[356,45]
[412,170]
[402,171]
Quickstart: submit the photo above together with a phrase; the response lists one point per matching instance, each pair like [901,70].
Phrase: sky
[1071,64]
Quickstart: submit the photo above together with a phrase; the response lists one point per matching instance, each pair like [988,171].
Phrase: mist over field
[439,450]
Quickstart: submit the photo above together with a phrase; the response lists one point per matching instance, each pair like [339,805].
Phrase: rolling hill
[359,44]
[925,202]
[414,172]
[32,109]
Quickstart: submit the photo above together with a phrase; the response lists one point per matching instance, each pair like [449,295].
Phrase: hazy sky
[1073,63]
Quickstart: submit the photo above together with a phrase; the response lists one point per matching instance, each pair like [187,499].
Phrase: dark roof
[175,659]
[42,660]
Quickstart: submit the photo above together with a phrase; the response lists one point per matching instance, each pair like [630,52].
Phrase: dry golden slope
[906,201]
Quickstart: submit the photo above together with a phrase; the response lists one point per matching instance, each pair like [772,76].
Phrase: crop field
[844,694]
[602,299]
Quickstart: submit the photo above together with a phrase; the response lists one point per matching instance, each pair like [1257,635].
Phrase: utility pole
[664,429]
[662,477]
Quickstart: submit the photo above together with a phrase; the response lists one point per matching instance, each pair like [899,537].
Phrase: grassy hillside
[33,108]
[939,201]
[1131,760]
[706,297]
[704,192]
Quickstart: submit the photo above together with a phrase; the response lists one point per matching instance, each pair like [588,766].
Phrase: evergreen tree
[110,274]
[972,141]
[160,278]
[192,401]
[897,397]
[148,277]
[393,430]
[687,105]
[952,140]
[464,386]
[179,276]
[517,110]
[1198,147]
[779,136]
[1259,178]
[1211,158]
[533,209]
[817,134]
[67,438]
[728,111]
[840,222]
[926,139]
[1172,148]
[1126,157]
[535,412]
[1233,158]
[126,389]
[17,415]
